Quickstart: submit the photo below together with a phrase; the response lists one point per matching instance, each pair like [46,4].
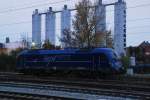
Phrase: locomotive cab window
[63,58]
[115,57]
[102,58]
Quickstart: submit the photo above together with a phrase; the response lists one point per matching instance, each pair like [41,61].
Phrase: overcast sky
[16,17]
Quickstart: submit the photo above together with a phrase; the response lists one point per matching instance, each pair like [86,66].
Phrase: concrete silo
[36,28]
[65,21]
[101,21]
[50,26]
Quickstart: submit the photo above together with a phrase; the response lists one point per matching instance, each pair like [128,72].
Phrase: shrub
[8,61]
[125,61]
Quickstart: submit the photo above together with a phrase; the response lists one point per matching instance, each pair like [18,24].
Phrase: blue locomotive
[103,60]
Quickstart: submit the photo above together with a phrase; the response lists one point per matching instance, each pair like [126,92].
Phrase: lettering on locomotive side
[51,58]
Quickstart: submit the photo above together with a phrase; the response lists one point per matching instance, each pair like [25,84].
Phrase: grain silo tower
[50,26]
[36,28]
[101,22]
[65,21]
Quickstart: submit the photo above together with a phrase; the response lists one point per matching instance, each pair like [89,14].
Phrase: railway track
[135,90]
[74,89]
[45,79]
[25,96]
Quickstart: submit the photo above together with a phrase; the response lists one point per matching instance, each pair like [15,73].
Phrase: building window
[124,30]
[125,40]
[124,26]
[124,11]
[124,35]
[125,45]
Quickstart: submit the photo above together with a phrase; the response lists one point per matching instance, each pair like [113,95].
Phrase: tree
[47,45]
[84,24]
[67,39]
[84,34]
[8,61]
[125,61]
[109,40]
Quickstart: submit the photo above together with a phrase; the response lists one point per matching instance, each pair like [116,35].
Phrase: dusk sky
[16,17]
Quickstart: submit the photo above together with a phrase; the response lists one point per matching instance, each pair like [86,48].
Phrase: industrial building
[50,24]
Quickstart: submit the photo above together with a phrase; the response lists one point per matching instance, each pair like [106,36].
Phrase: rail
[119,88]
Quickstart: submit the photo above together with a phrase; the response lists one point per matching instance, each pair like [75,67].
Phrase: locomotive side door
[103,61]
[95,62]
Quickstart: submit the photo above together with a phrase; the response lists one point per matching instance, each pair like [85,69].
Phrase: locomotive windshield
[115,57]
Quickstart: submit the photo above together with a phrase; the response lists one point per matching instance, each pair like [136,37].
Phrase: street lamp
[33,45]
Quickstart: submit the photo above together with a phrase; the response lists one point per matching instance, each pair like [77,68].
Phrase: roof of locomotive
[66,51]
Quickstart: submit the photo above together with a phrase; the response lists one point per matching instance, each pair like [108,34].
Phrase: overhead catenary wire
[29,21]
[132,20]
[31,6]
[56,3]
[65,0]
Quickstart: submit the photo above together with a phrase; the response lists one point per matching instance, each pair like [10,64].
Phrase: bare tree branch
[85,25]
